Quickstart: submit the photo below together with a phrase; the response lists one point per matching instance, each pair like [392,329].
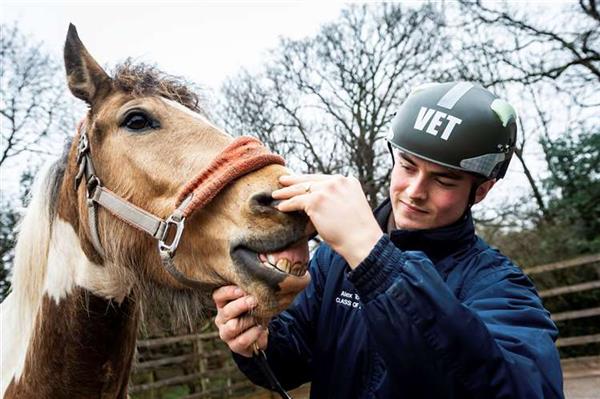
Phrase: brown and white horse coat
[70,323]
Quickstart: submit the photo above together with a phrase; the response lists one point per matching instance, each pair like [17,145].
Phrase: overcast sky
[204,41]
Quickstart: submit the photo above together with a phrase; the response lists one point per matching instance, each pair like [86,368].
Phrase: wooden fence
[191,366]
[200,365]
[574,366]
[187,366]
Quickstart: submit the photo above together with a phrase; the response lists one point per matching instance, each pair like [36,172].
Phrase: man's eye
[138,122]
[446,183]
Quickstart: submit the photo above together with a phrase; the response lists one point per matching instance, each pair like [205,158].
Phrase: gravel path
[582,378]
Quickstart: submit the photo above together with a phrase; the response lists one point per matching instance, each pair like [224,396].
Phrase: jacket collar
[438,243]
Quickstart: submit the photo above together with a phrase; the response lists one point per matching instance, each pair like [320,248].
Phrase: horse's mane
[146,80]
[31,250]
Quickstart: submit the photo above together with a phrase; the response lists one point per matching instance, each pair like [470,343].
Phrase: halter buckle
[83,146]
[92,183]
[169,248]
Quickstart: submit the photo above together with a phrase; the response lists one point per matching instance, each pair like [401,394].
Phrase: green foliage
[542,243]
[571,224]
[8,221]
[574,186]
[570,227]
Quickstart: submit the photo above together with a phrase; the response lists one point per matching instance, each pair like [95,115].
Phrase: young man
[409,302]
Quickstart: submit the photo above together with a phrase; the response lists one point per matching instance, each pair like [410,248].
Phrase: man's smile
[412,208]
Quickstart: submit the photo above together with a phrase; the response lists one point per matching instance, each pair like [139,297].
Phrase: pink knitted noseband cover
[242,156]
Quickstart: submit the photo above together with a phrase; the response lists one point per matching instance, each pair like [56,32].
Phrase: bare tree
[33,104]
[326,101]
[8,220]
[35,119]
[569,44]
[546,59]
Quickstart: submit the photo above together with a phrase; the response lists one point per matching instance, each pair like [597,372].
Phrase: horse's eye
[138,121]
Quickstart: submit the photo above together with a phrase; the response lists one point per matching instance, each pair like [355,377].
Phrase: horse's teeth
[272,260]
[298,269]
[284,265]
[267,264]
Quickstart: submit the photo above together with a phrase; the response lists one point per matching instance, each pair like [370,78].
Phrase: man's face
[425,195]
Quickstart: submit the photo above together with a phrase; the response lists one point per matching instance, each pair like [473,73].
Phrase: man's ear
[483,189]
[87,80]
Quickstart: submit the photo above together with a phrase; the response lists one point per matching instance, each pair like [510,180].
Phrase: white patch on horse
[68,267]
[191,113]
[48,260]
[19,309]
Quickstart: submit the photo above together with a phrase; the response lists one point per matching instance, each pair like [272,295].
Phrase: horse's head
[147,142]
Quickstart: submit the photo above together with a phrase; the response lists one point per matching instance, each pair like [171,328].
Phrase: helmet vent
[452,96]
[504,111]
[483,164]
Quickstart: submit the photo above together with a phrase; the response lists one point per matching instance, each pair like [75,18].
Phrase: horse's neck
[81,347]
[58,339]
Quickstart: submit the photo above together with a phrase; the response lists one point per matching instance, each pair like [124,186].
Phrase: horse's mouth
[292,260]
[275,264]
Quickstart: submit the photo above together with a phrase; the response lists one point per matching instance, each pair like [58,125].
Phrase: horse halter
[240,157]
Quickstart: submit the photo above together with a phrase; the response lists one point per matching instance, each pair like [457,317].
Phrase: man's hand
[338,209]
[237,328]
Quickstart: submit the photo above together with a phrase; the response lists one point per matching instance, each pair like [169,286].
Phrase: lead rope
[261,358]
[151,224]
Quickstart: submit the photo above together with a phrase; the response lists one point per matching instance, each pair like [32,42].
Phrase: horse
[149,197]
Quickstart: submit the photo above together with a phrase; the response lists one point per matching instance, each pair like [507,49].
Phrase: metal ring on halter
[92,183]
[177,222]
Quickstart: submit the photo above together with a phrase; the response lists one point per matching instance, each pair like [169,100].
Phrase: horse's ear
[87,80]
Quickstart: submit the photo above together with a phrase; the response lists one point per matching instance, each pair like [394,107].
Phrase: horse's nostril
[263,200]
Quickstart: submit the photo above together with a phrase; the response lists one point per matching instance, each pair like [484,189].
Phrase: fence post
[201,362]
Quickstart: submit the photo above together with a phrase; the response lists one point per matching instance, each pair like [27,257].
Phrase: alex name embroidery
[348,299]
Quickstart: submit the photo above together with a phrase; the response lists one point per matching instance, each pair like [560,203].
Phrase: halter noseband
[242,156]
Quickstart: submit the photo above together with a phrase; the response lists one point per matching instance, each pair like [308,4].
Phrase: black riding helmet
[459,125]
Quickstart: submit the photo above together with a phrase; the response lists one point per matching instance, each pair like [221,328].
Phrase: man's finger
[288,180]
[263,339]
[242,344]
[295,190]
[226,294]
[297,203]
[237,308]
[235,327]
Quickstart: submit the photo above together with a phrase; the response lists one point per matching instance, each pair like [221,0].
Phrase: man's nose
[417,189]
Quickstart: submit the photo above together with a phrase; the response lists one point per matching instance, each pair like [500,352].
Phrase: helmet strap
[479,180]
[390,148]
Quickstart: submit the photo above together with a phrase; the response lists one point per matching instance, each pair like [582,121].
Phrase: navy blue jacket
[428,314]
